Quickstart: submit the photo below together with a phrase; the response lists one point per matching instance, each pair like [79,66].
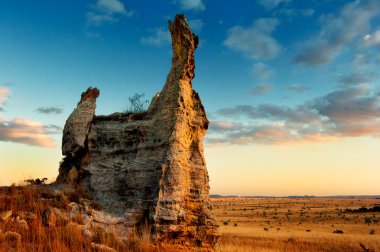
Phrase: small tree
[36,181]
[136,103]
[367,220]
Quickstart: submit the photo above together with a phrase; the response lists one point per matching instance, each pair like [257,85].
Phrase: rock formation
[148,166]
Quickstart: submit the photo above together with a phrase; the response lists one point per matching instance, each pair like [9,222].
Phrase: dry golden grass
[252,224]
[288,224]
[30,203]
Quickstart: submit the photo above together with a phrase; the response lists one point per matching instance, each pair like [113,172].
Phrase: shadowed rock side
[147,166]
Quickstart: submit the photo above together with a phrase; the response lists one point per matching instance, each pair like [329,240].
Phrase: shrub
[372,232]
[367,220]
[291,240]
[338,231]
[36,181]
[136,103]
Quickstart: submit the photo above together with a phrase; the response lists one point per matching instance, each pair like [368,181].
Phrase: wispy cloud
[262,71]
[26,131]
[223,126]
[361,60]
[338,31]
[107,11]
[297,88]
[53,129]
[191,5]
[261,89]
[354,111]
[349,112]
[357,78]
[196,25]
[254,42]
[160,37]
[292,13]
[271,4]
[4,96]
[49,110]
[372,39]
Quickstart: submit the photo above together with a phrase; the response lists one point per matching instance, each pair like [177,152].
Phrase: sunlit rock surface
[147,167]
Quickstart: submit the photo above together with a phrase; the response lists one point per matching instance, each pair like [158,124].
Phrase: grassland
[28,225]
[297,224]
[247,224]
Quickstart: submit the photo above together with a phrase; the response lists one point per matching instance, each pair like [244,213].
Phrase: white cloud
[196,25]
[20,130]
[262,71]
[355,78]
[360,60]
[25,131]
[261,89]
[194,5]
[271,4]
[297,88]
[4,94]
[346,112]
[338,31]
[223,126]
[255,42]
[161,36]
[295,12]
[99,18]
[49,110]
[112,6]
[372,39]
[106,11]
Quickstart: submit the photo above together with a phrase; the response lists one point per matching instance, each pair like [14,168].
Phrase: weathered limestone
[147,167]
[78,124]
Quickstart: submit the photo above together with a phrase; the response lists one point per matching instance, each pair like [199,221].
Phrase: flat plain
[298,224]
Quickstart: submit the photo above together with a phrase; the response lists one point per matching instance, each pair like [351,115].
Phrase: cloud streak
[372,39]
[271,4]
[4,96]
[255,42]
[293,13]
[107,11]
[297,88]
[50,110]
[196,25]
[350,112]
[160,37]
[357,78]
[27,132]
[191,5]
[337,32]
[262,71]
[261,89]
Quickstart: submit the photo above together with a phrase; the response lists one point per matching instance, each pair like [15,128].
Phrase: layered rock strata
[148,166]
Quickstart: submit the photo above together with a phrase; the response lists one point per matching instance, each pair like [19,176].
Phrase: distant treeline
[258,196]
[364,210]
[300,196]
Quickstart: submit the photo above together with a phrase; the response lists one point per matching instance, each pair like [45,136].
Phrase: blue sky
[275,76]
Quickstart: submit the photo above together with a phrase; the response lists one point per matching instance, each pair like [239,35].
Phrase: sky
[290,87]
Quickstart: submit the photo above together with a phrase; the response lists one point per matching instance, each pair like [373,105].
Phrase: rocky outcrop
[147,166]
[78,124]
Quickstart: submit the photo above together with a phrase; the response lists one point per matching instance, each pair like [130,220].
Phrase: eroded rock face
[78,124]
[148,167]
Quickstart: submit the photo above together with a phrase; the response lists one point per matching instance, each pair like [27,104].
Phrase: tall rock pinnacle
[148,167]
